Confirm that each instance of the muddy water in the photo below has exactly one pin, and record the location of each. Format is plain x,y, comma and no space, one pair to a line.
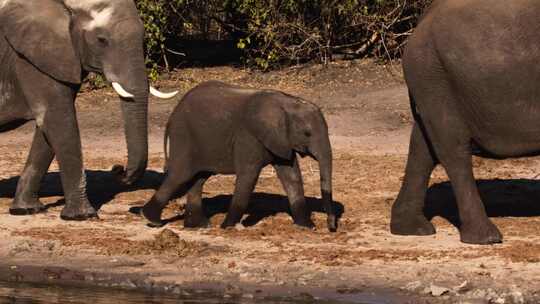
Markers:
18,293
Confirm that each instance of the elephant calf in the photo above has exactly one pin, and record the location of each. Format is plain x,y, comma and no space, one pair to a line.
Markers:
222,129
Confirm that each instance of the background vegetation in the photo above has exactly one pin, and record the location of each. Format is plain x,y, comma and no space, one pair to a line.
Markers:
271,33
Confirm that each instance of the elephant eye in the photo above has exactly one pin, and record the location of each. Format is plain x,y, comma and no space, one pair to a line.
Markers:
103,41
307,133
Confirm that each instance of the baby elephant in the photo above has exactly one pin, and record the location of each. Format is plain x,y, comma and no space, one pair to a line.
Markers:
222,129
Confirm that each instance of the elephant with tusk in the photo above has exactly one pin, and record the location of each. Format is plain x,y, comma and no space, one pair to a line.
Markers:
47,47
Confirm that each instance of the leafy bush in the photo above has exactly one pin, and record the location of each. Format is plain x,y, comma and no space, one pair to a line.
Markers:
276,32
295,30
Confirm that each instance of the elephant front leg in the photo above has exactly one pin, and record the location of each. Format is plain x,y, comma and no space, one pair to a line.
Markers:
38,162
291,179
62,132
245,183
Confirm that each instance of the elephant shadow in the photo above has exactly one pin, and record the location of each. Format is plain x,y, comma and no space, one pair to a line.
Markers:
501,198
102,186
263,205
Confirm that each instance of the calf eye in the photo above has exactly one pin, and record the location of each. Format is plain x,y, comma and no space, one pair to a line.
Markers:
103,41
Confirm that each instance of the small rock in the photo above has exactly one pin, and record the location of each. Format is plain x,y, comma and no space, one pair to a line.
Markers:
438,291
167,238
463,287
129,284
517,297
50,246
478,294
413,286
499,300
491,295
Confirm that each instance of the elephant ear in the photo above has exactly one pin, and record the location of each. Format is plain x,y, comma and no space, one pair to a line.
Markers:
268,122
39,30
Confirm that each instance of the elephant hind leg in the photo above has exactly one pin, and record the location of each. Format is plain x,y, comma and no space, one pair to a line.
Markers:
195,216
476,227
408,210
450,138
39,159
175,183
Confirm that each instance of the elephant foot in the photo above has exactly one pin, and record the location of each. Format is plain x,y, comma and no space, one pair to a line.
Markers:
332,223
228,223
305,223
196,222
411,225
480,234
27,208
78,212
152,214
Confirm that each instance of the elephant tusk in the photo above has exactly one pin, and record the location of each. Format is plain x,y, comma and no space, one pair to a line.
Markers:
159,94
120,90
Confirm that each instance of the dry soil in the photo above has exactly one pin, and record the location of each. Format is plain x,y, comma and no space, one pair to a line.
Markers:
367,108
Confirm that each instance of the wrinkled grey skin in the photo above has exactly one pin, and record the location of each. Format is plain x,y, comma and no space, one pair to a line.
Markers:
46,48
474,83
223,129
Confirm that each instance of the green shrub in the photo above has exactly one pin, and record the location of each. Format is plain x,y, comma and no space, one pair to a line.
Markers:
294,30
276,32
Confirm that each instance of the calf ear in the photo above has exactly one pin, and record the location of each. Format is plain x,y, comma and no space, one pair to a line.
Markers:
39,31
268,122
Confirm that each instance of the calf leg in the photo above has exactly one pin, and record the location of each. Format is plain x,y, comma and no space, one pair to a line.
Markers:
194,215
172,184
245,183
291,178
39,159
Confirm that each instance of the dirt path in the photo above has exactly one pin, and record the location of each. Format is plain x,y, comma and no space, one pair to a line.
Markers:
368,113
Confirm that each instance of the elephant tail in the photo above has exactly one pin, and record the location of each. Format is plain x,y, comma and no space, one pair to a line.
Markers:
166,147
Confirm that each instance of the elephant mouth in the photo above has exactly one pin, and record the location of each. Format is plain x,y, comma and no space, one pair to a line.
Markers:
303,152
92,68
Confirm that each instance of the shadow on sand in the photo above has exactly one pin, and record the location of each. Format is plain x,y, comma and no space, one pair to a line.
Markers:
263,205
502,198
102,188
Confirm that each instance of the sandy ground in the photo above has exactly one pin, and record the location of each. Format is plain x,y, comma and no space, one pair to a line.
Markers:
367,108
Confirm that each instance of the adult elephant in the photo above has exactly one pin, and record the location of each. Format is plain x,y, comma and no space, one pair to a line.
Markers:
473,76
46,48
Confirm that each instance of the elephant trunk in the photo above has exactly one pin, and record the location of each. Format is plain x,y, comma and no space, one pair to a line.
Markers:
323,154
134,80
135,115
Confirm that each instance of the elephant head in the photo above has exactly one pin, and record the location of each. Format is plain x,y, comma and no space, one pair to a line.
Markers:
66,39
286,128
